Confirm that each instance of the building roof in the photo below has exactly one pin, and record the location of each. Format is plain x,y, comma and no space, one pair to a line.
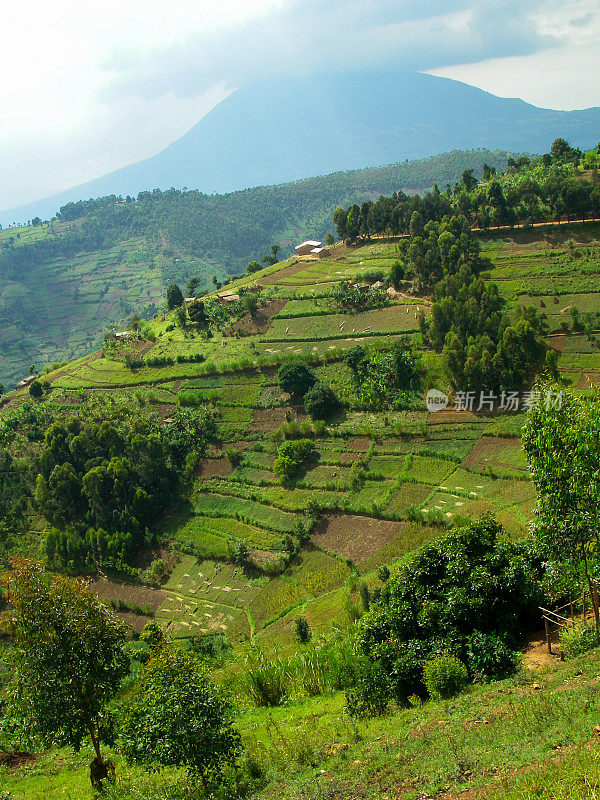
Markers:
226,293
229,298
317,250
307,243
378,285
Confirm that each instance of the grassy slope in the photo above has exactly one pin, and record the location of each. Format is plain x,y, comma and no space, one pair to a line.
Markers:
503,741
456,463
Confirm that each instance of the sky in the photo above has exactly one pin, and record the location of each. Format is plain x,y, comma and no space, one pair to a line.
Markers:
90,87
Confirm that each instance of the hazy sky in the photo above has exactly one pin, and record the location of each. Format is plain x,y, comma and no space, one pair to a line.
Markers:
87,88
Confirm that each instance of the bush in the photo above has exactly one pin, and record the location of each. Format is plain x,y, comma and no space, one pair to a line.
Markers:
445,676
291,456
36,390
266,679
370,696
488,655
296,379
303,631
321,401
575,641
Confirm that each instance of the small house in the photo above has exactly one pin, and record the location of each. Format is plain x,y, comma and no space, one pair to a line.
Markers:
378,285
123,335
308,247
25,382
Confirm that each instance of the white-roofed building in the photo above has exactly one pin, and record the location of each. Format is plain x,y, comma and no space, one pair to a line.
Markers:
306,248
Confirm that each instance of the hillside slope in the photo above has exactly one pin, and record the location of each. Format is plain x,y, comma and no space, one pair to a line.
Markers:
286,129
63,284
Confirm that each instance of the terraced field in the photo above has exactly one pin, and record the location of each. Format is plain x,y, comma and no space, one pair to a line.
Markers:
419,469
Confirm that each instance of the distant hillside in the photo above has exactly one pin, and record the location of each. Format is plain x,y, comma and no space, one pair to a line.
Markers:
63,284
283,130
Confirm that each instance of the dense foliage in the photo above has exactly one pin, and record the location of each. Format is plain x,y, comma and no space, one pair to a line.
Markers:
102,485
385,379
296,378
291,456
469,594
547,188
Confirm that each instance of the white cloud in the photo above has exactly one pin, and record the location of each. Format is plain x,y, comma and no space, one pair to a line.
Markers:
90,87
559,77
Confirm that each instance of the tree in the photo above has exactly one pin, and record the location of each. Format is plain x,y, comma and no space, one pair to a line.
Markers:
416,227
254,266
552,362
2,389
177,718
32,369
340,219
192,285
397,274
68,656
197,313
329,239
562,443
321,401
174,297
296,378
250,303
36,390
468,180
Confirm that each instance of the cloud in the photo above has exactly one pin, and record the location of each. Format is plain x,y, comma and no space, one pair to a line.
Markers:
90,87
307,37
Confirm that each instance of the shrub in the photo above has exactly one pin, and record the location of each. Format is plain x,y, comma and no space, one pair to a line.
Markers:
266,679
302,629
370,695
291,455
488,655
175,717
36,390
383,574
234,456
575,641
321,401
445,676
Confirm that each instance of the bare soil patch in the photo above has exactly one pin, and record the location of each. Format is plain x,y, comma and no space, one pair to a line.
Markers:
589,379
452,416
241,444
349,458
354,537
140,595
266,420
535,650
558,341
16,759
214,467
359,444
486,452
262,319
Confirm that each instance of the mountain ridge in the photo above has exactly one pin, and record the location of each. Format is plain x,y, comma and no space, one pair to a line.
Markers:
292,129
